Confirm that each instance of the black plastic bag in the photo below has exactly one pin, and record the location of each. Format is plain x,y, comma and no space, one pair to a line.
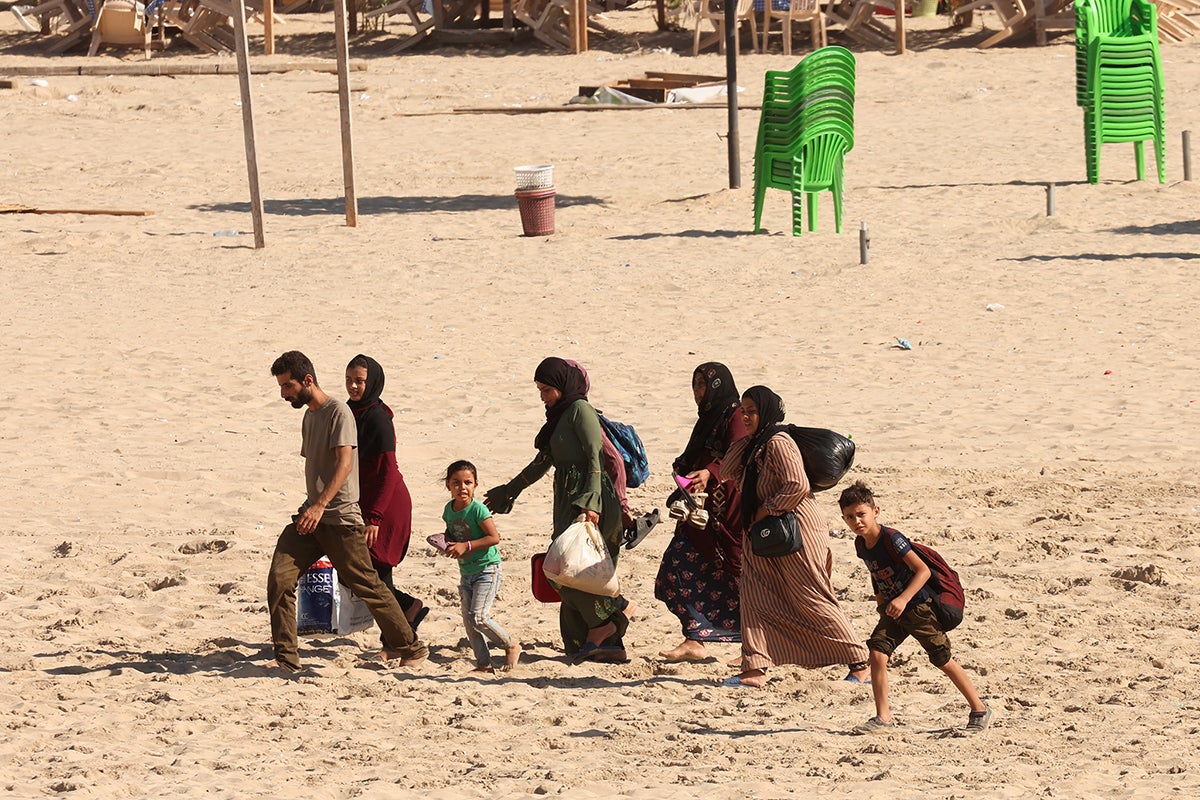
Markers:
827,455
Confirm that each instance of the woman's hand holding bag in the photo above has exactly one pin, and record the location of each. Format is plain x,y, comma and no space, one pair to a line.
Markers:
579,559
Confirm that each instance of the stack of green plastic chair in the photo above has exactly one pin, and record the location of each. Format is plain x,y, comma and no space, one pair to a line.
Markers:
1119,80
806,129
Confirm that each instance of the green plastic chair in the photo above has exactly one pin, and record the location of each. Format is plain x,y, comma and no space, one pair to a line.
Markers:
804,133
1119,81
1124,101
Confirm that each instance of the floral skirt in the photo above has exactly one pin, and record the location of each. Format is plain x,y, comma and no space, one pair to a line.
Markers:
703,596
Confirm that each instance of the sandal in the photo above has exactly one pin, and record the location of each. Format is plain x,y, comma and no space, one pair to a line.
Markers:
641,529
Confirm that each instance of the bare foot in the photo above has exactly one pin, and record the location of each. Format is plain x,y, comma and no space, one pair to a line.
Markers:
610,655
735,662
482,671
414,611
631,612
512,655
597,636
753,677
687,651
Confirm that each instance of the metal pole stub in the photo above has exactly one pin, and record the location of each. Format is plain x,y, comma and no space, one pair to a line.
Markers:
1187,155
864,244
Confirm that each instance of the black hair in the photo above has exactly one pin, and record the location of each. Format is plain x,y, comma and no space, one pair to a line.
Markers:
459,466
296,364
856,493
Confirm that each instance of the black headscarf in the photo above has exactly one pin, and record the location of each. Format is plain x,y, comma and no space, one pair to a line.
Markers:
708,434
770,419
376,434
570,381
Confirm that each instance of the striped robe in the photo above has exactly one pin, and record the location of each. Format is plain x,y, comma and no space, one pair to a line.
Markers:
790,614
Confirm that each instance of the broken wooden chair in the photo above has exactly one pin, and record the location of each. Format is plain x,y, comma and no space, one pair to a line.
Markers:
411,9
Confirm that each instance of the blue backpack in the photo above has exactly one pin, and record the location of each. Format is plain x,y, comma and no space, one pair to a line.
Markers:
633,452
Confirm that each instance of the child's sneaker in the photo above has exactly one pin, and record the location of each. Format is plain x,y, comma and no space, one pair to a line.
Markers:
874,725
978,720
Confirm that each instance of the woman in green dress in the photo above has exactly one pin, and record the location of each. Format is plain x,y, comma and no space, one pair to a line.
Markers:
571,441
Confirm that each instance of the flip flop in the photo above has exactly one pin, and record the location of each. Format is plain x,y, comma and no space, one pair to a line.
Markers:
419,618
852,679
585,653
736,682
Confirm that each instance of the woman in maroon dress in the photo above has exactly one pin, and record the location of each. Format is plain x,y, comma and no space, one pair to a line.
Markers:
383,496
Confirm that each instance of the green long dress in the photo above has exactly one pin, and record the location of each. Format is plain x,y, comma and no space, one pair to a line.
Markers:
580,484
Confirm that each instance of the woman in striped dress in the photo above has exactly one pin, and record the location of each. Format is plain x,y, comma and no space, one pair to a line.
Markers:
789,612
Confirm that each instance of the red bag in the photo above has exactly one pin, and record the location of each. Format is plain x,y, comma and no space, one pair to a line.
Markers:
542,589
947,590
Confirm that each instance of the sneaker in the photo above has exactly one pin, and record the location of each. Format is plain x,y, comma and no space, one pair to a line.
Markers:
978,720
874,725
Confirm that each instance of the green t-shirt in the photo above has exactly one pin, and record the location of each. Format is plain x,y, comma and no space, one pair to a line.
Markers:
463,526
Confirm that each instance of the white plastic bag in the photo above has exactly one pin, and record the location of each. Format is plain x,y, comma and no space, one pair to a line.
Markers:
578,559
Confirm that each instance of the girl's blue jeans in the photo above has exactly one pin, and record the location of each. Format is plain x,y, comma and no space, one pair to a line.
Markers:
478,593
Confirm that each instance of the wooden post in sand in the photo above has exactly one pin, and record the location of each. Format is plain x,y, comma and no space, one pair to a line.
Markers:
1187,155
269,27
343,64
243,58
901,41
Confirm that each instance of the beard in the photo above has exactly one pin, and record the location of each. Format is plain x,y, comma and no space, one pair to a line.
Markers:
303,398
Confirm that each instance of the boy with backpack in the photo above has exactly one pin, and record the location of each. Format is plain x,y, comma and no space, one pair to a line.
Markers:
908,604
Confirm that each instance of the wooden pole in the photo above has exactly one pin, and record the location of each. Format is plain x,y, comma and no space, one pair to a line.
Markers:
901,41
343,61
243,58
269,27
578,26
1187,155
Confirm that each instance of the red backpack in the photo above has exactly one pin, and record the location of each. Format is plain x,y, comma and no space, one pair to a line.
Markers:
944,586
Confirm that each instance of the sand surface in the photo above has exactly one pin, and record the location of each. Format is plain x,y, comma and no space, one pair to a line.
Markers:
1042,431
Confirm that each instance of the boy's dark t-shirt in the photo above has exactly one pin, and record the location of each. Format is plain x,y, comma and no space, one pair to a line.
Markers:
889,576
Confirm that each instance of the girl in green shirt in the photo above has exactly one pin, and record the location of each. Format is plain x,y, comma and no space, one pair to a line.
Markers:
471,539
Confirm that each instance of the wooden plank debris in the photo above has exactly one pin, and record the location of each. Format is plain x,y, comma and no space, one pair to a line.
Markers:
1175,20
655,85
161,68
10,209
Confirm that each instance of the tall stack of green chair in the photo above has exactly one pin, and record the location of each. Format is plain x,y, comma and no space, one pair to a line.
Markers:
806,129
1118,80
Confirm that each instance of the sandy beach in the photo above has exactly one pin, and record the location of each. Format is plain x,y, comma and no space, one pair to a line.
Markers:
1041,432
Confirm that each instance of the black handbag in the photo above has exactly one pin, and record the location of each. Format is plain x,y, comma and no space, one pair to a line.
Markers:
772,537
